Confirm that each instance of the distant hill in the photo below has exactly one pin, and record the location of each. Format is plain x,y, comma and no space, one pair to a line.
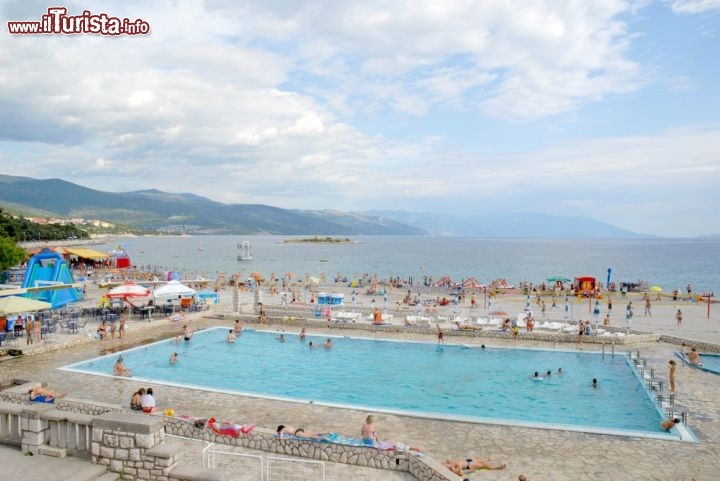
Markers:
157,210
508,224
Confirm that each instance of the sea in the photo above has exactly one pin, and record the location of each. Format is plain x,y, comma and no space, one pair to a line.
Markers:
666,263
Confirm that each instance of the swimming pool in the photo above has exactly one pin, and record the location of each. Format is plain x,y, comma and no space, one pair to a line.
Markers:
709,362
412,378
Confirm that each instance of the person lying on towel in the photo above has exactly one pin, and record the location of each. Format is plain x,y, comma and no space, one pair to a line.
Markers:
41,394
286,431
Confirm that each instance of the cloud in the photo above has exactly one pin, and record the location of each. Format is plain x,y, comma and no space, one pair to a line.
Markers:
515,59
340,104
695,6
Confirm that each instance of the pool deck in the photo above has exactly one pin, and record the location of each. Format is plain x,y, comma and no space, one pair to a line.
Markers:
538,453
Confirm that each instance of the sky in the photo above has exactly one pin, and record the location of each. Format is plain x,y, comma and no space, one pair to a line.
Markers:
606,109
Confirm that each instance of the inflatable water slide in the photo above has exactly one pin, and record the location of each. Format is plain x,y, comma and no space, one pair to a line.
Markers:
48,268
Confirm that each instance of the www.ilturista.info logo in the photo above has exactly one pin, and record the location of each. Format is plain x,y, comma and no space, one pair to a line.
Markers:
57,21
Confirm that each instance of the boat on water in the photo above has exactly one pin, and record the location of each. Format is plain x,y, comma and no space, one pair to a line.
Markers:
245,252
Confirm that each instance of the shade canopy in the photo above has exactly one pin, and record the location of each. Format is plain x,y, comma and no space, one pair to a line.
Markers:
85,253
128,289
558,279
174,289
656,288
16,305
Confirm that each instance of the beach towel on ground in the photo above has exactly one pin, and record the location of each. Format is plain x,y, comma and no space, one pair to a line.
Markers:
350,441
43,399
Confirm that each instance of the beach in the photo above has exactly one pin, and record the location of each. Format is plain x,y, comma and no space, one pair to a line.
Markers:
537,453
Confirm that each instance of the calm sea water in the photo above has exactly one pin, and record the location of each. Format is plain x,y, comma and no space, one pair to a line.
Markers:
669,263
448,381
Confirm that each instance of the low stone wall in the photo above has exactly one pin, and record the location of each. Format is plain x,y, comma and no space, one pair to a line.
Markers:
134,445
262,439
700,346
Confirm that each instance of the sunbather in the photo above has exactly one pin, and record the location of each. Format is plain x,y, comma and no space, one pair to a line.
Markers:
467,327
459,466
46,393
285,431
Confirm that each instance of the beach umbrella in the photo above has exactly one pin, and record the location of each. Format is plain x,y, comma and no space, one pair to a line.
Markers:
127,290
16,305
656,289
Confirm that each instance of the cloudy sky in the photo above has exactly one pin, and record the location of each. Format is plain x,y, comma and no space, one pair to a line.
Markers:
607,108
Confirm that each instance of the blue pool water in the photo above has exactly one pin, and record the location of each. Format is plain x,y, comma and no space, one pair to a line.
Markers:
710,362
417,378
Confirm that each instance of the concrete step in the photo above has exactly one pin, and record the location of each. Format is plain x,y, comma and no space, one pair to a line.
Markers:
49,451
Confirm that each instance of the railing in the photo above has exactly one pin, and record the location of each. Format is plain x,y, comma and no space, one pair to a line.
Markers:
10,426
70,431
287,469
246,466
191,446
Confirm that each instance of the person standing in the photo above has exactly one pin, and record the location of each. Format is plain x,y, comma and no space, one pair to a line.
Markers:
187,333
29,330
377,316
121,330
647,306
440,335
678,317
671,375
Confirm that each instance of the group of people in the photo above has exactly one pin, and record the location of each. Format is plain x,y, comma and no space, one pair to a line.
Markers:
367,431
103,332
143,400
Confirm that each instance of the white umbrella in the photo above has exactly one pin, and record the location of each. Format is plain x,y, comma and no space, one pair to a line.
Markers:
15,305
128,289
174,289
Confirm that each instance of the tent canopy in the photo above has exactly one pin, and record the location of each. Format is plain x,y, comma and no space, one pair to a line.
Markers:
174,289
85,253
128,289
558,279
16,305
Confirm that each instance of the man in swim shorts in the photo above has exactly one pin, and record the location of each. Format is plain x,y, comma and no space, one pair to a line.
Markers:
459,466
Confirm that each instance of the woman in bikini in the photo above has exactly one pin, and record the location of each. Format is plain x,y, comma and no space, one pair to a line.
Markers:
367,431
286,431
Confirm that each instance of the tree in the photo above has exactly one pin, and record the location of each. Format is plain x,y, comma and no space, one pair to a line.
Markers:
10,254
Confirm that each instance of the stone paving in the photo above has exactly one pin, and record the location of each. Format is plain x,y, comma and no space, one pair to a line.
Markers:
538,453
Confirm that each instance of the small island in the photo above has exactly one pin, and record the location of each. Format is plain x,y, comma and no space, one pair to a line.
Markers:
319,240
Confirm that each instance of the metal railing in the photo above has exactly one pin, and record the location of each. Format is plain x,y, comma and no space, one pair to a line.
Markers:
288,469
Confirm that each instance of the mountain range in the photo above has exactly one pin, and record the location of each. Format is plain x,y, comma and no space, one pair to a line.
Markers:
157,210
